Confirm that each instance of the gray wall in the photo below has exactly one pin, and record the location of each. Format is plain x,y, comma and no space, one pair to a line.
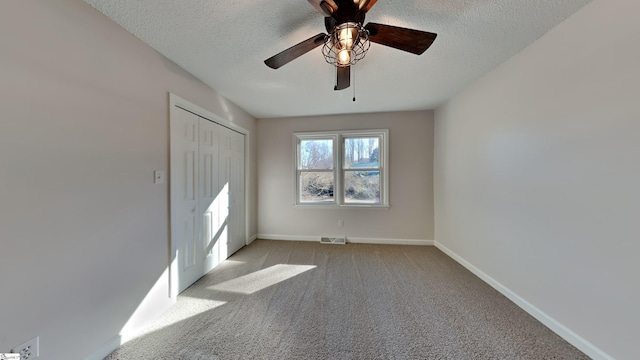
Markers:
410,216
84,123
537,167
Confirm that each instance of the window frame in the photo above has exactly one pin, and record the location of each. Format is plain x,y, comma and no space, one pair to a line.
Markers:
339,169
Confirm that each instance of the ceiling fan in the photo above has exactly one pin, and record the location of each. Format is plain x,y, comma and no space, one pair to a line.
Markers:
348,40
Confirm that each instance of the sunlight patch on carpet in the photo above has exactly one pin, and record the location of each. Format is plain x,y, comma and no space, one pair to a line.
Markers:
262,279
188,307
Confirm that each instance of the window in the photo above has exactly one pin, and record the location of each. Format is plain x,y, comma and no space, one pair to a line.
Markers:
342,168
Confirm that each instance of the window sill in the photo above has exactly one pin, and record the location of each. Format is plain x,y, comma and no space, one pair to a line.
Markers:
327,207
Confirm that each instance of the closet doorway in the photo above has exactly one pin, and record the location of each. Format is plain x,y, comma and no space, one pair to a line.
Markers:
207,174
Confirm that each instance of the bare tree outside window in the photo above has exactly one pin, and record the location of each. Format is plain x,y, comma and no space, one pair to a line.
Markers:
317,178
362,173
342,168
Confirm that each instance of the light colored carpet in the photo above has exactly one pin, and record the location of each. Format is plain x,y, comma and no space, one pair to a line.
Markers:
300,300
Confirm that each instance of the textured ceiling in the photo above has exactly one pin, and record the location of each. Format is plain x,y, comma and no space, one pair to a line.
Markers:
224,43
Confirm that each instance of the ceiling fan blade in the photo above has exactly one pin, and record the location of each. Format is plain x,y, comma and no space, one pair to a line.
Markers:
295,51
324,7
344,77
413,41
366,5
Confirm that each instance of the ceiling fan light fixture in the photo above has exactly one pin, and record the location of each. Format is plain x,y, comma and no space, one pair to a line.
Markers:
347,44
347,40
344,57
346,37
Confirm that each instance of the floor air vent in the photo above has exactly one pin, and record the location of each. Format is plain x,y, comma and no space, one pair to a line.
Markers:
333,240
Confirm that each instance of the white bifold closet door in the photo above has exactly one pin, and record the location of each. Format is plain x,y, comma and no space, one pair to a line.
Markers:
207,194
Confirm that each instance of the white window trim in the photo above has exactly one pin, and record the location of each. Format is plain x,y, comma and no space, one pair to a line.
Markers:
338,151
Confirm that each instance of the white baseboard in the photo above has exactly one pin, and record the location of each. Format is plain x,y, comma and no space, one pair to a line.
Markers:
106,349
353,240
564,332
357,240
251,239
288,237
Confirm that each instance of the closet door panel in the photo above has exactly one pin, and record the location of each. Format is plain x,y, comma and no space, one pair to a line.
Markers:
209,194
224,178
184,197
237,193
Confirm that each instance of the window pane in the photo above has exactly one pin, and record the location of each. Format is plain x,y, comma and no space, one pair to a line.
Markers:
316,154
361,152
362,187
316,186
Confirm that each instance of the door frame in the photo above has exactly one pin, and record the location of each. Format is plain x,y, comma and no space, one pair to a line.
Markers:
176,102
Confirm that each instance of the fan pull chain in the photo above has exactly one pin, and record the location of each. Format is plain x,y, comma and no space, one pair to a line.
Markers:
354,83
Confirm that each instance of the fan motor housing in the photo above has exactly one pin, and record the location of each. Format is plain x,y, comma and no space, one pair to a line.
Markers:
330,23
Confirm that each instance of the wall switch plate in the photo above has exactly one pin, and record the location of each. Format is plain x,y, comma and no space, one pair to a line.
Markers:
29,350
158,177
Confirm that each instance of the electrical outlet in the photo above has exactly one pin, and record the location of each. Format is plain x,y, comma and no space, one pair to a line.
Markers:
340,222
29,350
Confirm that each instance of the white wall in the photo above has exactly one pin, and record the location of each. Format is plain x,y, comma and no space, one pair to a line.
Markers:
83,124
411,173
537,173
